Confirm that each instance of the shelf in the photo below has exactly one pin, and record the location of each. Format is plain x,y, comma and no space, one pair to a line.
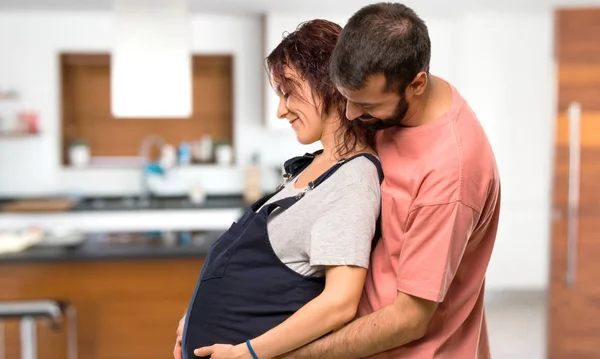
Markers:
16,134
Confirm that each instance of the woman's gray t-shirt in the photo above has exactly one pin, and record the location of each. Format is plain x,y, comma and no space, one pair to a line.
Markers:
333,224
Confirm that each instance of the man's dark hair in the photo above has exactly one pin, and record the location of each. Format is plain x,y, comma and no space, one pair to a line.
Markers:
383,38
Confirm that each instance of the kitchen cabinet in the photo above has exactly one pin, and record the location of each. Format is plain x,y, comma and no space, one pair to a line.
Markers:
126,308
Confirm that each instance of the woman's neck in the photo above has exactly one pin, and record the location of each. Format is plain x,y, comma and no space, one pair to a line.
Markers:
331,138
329,142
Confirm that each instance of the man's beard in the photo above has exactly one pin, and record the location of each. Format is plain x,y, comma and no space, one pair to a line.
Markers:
376,124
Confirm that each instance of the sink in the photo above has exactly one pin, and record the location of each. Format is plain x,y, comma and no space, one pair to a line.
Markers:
137,203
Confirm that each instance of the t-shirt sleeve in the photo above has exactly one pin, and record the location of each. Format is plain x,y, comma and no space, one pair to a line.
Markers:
433,246
343,232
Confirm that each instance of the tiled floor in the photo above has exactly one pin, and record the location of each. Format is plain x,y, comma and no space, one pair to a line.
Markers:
517,325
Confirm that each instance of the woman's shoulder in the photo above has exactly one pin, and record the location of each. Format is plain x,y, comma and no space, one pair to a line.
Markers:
360,172
362,167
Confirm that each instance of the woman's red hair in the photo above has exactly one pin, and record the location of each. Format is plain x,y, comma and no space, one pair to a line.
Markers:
308,50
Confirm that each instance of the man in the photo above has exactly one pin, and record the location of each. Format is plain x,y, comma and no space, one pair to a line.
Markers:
424,295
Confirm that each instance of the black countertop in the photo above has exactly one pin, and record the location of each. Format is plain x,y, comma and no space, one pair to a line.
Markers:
120,246
157,203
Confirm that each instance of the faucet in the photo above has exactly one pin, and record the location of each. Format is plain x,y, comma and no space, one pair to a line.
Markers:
147,143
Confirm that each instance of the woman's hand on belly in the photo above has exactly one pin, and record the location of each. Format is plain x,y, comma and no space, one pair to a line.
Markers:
224,351
331,310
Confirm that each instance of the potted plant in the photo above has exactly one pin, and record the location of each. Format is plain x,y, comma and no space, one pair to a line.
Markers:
79,152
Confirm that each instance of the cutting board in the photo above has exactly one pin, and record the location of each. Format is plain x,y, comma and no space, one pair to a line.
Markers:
39,205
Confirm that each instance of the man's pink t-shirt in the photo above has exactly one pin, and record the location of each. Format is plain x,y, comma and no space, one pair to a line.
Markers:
440,210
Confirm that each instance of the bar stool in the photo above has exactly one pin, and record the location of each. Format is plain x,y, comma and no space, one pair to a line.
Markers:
28,312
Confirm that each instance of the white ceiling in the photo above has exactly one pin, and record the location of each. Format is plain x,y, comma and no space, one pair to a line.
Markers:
310,6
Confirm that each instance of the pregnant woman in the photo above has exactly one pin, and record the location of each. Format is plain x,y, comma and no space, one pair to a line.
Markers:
292,268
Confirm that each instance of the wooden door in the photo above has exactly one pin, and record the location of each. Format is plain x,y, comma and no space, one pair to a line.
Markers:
574,296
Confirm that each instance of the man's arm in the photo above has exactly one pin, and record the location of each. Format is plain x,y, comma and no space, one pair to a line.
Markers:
438,236
398,324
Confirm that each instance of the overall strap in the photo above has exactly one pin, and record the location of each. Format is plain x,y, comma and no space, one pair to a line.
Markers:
378,232
377,165
292,167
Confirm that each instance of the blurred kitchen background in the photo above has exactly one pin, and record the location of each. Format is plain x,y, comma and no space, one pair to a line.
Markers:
113,184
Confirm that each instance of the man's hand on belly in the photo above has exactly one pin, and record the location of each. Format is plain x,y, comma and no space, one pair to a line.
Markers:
179,332
400,323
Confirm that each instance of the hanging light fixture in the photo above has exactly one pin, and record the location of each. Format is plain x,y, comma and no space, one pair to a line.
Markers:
151,70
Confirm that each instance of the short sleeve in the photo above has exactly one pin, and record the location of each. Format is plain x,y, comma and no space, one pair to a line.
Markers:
433,246
345,227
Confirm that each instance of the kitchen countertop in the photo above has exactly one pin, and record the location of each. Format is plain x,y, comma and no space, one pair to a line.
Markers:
121,246
157,203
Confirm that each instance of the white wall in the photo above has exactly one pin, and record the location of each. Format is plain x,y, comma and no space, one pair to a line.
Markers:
30,44
501,62
504,66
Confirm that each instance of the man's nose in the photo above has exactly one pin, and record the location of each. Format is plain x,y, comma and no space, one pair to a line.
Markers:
353,111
